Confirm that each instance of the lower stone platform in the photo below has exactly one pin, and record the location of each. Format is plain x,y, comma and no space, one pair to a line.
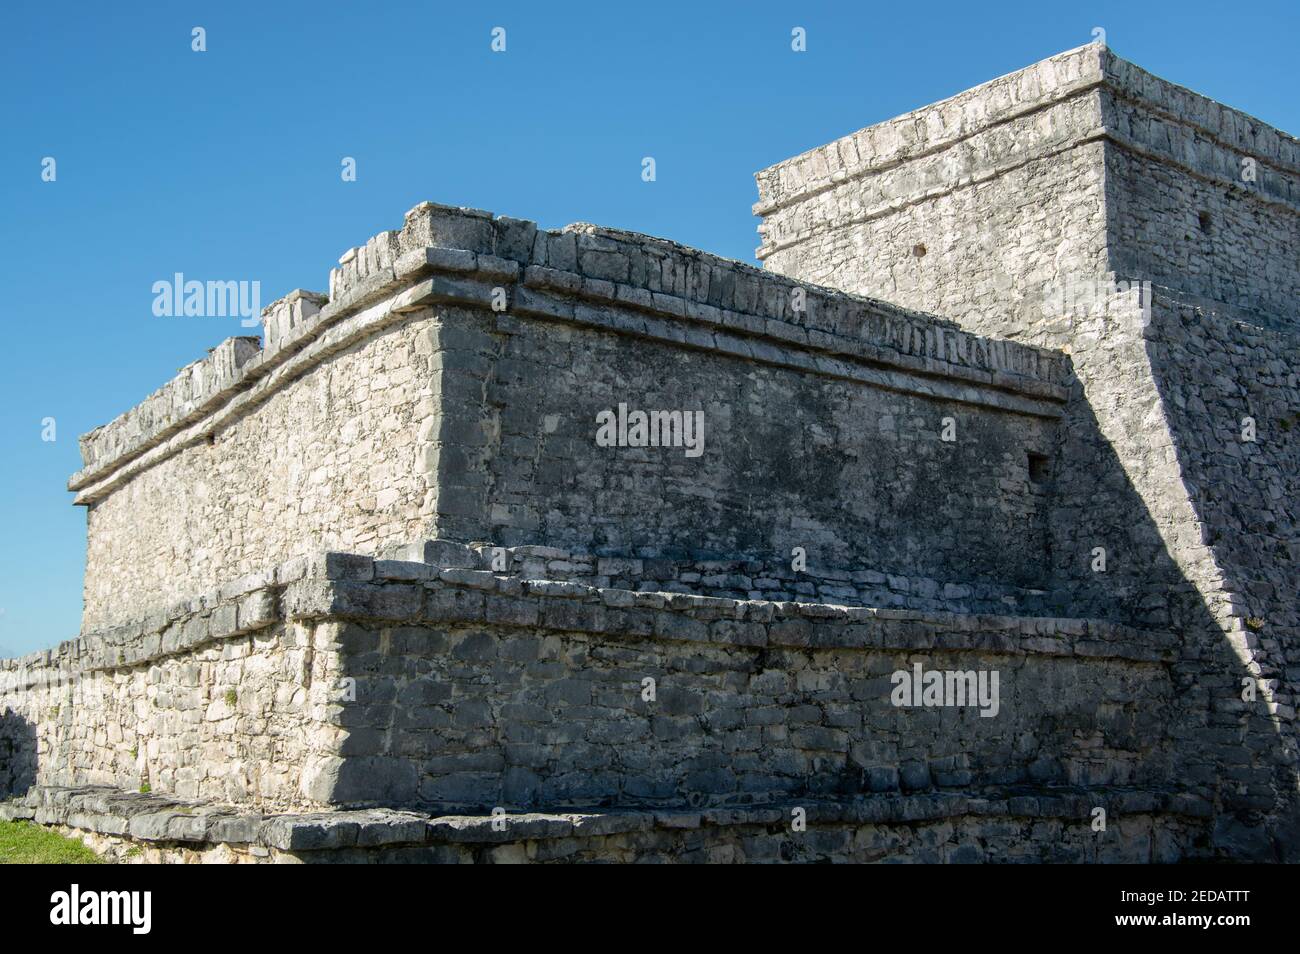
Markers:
346,707
1046,825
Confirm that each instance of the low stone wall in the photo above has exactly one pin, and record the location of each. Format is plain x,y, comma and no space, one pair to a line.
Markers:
1142,828
231,719
345,680
463,704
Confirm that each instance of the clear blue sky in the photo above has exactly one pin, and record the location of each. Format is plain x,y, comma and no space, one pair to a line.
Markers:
225,164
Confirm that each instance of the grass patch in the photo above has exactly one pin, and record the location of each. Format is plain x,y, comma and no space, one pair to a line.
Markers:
22,843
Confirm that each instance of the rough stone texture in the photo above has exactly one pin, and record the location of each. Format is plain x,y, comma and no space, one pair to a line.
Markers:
421,585
1080,165
326,464
419,416
1115,176
145,829
467,689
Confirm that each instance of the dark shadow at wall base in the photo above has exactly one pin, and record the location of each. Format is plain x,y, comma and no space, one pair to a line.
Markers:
18,755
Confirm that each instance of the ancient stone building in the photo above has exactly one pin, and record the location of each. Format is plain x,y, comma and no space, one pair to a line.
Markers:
580,544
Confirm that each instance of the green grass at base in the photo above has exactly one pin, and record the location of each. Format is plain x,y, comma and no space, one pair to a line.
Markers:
22,843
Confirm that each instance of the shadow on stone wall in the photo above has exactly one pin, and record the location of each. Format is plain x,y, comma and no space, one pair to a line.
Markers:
1213,375
1146,510
1113,488
17,755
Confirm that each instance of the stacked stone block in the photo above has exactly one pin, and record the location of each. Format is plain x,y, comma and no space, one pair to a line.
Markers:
378,569
1185,212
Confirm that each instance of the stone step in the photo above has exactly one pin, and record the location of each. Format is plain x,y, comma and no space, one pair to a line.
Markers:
749,576
1026,824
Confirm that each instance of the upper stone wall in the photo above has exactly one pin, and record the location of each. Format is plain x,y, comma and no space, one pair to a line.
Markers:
967,208
1077,167
1201,198
914,135
1032,90
851,468
655,277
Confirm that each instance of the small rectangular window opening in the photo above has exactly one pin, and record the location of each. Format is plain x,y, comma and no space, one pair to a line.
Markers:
1039,468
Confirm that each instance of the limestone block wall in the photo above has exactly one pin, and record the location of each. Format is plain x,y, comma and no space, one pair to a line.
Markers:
327,462
454,392
218,699
481,714
344,680
968,208
1202,198
859,477
1231,393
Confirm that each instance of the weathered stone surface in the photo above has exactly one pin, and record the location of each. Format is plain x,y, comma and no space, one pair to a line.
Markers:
382,562
909,828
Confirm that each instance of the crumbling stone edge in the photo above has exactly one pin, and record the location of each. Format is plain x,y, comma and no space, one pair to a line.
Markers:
447,587
159,819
